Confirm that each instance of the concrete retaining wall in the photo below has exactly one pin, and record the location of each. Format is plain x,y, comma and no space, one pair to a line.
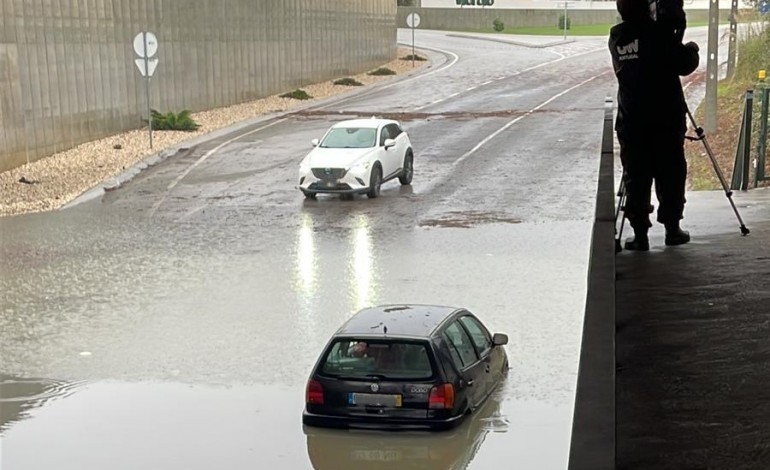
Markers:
67,72
467,19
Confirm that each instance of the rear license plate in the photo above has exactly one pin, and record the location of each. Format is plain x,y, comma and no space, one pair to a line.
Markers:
375,399
376,455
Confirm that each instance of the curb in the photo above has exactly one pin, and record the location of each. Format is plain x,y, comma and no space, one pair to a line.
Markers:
124,177
513,42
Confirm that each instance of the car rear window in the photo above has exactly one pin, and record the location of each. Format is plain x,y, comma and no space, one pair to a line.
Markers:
364,359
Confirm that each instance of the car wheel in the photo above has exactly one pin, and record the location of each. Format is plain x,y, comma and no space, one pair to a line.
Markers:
406,174
375,182
309,195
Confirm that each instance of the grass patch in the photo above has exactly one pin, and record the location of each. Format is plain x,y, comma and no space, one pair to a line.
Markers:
415,57
754,43
381,71
573,30
297,95
348,82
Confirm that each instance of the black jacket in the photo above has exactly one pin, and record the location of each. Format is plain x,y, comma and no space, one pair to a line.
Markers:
648,60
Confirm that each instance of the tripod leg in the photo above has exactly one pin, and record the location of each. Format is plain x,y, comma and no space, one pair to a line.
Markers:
718,171
621,199
621,206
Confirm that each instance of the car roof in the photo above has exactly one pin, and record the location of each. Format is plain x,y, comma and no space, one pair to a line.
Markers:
365,123
402,320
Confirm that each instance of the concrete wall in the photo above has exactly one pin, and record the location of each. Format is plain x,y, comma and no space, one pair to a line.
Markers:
466,19
67,72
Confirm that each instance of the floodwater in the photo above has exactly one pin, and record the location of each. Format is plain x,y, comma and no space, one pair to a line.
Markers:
173,322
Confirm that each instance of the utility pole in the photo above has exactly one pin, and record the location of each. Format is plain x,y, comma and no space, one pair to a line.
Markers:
712,68
733,39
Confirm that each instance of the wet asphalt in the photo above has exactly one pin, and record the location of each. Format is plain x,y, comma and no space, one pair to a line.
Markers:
172,323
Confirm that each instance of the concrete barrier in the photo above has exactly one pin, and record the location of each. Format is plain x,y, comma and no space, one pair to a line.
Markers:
593,426
67,72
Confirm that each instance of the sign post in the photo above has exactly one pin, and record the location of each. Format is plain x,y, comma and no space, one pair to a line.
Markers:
146,46
565,19
413,21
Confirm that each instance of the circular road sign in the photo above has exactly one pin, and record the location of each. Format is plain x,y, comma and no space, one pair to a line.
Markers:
152,45
413,20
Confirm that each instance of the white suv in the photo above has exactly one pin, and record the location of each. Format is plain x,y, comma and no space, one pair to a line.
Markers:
356,157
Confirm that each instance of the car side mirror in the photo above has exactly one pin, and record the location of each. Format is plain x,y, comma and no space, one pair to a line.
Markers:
389,143
315,142
500,339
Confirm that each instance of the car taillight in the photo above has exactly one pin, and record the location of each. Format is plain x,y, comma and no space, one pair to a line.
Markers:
442,397
315,393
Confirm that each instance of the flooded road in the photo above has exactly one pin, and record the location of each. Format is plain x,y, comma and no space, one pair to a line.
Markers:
173,322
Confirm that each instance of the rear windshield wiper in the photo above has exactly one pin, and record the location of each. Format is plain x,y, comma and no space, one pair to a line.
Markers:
358,377
376,376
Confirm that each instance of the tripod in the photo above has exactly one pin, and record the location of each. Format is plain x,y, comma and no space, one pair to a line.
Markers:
622,196
700,136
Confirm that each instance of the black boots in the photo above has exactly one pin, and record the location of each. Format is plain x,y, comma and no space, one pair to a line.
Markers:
675,235
639,242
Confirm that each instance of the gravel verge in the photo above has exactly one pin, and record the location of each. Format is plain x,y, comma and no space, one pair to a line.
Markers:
51,182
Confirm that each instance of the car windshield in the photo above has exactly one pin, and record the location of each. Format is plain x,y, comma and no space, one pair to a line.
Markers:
364,359
350,138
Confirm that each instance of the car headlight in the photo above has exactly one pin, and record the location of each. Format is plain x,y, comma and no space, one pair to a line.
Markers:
361,167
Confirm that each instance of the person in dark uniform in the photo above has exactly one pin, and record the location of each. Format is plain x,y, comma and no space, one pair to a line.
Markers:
648,58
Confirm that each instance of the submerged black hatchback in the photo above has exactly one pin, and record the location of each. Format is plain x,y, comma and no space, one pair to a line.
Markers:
404,367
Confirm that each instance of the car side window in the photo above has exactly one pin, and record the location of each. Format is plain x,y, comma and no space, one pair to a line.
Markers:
460,345
385,134
479,335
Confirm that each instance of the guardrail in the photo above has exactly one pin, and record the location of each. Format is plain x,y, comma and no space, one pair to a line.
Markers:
593,426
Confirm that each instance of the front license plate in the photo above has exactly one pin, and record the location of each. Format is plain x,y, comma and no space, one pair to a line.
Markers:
330,184
375,399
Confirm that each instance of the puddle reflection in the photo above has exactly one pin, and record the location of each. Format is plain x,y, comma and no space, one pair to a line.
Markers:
362,265
453,449
306,258
20,396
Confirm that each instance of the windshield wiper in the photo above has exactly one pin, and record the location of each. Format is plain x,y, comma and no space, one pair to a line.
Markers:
377,376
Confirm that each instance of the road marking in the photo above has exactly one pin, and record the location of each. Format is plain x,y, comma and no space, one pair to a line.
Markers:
454,61
211,152
528,113
385,87
534,67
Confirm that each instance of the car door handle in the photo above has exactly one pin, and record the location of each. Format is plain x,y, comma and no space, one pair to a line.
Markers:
469,382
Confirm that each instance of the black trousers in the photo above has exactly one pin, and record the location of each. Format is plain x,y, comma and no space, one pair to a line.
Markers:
658,158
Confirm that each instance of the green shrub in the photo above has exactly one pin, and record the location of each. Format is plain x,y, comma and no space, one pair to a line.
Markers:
382,71
173,122
498,25
414,57
561,21
754,47
297,95
348,82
